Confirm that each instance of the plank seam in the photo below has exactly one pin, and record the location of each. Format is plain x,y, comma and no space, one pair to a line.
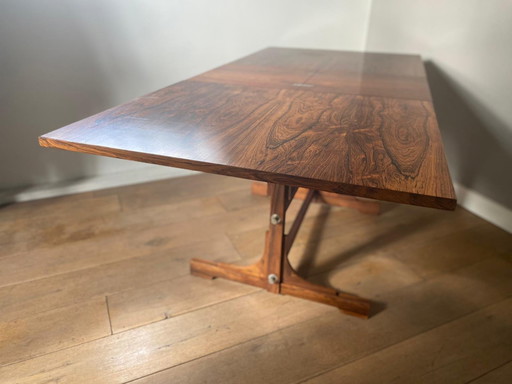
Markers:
108,314
486,373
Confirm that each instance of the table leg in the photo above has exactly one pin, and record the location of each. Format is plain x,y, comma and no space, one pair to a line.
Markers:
273,271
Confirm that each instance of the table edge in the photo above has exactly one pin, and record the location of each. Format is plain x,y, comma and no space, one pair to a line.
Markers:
438,202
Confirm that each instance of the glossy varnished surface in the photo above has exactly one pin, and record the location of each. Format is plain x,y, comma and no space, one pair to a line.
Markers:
353,123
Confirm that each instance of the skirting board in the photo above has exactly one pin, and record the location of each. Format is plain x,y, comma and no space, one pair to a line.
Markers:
467,198
484,207
137,176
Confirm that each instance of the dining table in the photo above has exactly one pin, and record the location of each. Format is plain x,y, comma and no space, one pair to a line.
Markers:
335,126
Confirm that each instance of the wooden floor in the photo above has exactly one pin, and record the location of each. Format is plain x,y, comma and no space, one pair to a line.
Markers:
94,288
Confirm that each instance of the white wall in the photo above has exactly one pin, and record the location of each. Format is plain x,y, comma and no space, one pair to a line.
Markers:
62,60
467,46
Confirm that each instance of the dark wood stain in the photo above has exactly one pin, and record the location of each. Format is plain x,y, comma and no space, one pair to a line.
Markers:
360,124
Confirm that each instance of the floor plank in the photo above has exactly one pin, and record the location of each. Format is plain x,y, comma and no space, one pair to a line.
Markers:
82,204
453,353
312,347
50,331
111,240
499,375
371,277
40,233
74,287
177,190
452,251
170,298
99,240
141,351
96,288
16,219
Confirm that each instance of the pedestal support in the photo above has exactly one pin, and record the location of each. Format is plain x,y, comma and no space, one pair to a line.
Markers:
273,271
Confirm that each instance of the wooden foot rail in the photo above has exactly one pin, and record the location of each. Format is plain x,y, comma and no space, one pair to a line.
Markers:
273,271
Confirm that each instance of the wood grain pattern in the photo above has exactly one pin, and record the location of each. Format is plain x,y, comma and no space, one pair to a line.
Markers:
360,124
166,343
169,298
499,375
440,357
44,294
49,331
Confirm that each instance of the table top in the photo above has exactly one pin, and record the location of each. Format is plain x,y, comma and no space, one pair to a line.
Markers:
355,123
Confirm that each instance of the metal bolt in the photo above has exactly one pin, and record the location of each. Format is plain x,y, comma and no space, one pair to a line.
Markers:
272,279
275,219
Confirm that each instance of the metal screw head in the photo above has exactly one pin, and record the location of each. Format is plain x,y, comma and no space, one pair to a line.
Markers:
275,219
272,278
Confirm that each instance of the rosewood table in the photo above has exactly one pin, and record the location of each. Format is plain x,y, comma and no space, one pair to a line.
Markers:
358,124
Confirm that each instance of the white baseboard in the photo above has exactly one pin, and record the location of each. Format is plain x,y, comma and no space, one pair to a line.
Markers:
467,198
484,207
141,175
